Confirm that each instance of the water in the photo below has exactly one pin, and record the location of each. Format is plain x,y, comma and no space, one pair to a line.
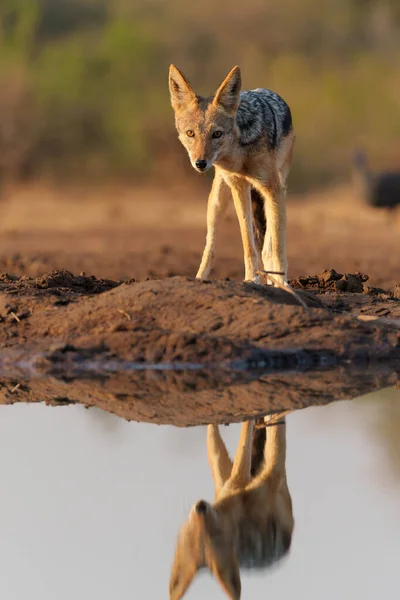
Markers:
189,395
91,504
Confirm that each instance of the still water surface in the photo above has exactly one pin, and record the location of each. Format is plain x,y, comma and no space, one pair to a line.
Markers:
91,505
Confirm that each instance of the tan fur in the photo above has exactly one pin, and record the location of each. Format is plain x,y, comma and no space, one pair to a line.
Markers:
238,167
247,514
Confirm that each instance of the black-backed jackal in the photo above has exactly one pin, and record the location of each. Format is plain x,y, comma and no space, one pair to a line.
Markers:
248,137
250,523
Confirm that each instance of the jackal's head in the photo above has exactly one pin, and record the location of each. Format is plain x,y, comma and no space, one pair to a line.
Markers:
206,540
206,126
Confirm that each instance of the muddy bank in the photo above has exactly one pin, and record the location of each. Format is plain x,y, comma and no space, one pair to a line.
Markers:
77,339
178,320
188,398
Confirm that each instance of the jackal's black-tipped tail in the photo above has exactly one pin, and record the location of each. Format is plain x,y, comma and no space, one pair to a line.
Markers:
259,220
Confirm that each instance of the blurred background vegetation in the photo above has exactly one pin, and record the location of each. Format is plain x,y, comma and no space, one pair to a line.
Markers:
84,95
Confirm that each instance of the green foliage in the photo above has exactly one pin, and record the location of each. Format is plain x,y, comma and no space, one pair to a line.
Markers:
83,83
18,22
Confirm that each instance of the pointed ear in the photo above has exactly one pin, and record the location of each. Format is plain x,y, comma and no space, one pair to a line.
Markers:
182,574
228,94
180,89
226,571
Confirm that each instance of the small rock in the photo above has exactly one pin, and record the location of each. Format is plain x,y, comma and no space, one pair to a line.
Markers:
372,291
350,283
396,291
330,275
363,276
303,281
119,327
62,302
7,278
63,400
354,284
341,285
24,315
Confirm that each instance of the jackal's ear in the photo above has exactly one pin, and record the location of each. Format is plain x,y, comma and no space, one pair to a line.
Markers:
228,94
180,89
226,571
183,571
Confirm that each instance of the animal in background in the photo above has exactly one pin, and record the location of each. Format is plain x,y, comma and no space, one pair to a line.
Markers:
250,523
248,137
380,190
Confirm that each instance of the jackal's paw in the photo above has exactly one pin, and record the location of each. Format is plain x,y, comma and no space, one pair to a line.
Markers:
254,279
280,281
202,276
276,418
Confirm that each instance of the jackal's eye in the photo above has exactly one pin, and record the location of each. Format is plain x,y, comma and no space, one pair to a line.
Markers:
217,134
190,133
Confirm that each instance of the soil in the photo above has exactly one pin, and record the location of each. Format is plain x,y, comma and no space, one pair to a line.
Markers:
120,233
129,305
67,339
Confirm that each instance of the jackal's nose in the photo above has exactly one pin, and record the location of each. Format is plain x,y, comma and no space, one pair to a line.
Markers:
201,507
201,165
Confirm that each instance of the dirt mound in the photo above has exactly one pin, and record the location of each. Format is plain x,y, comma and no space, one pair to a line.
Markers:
59,282
350,293
178,320
331,281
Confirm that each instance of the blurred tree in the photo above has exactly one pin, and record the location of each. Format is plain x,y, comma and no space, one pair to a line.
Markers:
61,17
84,82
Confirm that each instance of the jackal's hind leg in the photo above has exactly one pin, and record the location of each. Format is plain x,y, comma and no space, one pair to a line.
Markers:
284,158
274,193
266,255
274,249
275,464
275,447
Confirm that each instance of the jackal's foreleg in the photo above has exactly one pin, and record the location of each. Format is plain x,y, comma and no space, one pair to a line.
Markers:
242,200
242,464
218,457
274,250
216,207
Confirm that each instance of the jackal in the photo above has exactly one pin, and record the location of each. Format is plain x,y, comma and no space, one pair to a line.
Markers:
248,137
250,523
